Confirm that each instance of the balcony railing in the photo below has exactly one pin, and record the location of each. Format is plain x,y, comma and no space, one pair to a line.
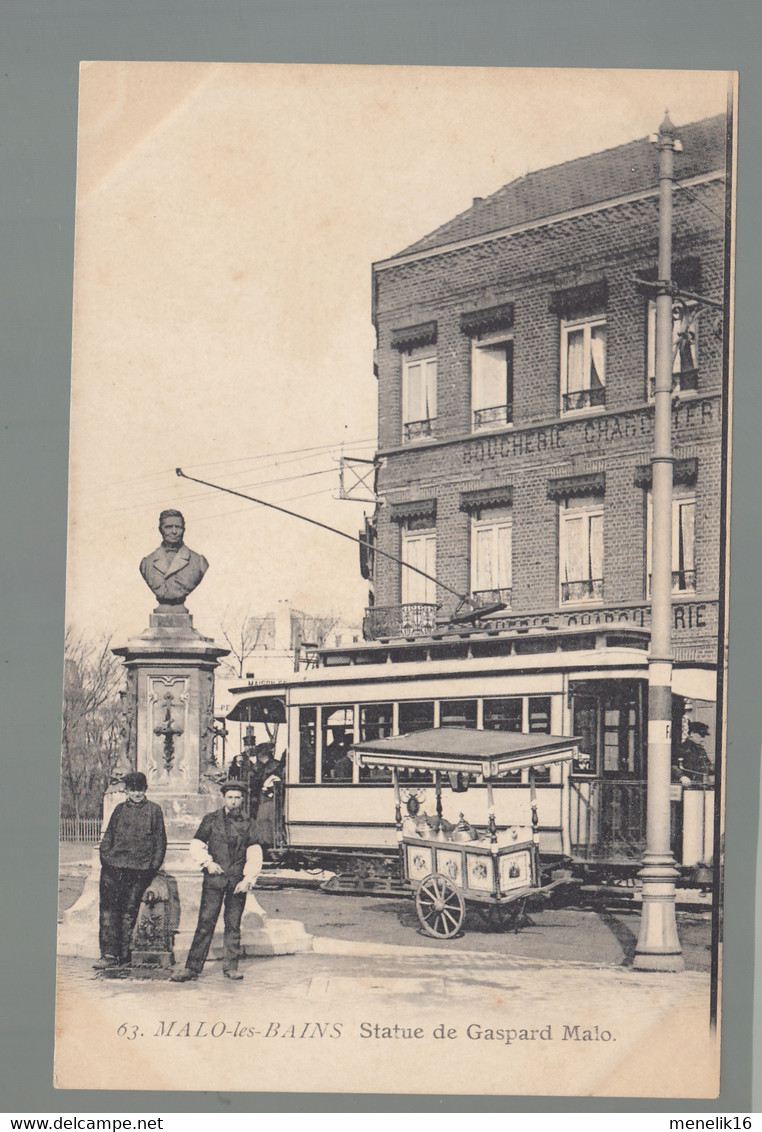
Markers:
414,430
584,399
587,589
498,414
413,619
685,382
489,597
681,580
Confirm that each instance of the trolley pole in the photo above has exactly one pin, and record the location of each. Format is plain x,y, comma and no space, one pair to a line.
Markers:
658,947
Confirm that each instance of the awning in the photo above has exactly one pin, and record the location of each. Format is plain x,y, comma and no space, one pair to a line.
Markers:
489,320
501,495
684,472
695,683
407,338
569,487
413,509
488,753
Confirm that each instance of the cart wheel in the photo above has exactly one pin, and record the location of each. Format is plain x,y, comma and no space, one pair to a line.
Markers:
441,909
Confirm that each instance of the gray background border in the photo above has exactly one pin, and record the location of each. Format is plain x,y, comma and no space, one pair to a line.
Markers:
41,44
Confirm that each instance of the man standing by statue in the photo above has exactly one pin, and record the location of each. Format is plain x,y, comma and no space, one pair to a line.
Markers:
132,851
172,571
227,849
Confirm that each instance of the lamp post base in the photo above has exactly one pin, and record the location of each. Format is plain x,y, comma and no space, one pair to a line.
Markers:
658,947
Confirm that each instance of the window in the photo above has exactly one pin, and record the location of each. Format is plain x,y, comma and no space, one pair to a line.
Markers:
419,396
375,723
683,540
609,719
419,549
492,383
583,365
457,713
337,735
580,549
307,733
491,551
684,347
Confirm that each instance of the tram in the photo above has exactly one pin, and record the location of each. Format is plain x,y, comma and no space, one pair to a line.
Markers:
588,682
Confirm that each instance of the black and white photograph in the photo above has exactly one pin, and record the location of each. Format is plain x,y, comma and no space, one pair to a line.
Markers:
393,728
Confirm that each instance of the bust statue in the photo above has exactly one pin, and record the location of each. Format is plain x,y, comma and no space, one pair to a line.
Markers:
172,571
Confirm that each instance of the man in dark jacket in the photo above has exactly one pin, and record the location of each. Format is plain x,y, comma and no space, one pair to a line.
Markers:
132,850
226,848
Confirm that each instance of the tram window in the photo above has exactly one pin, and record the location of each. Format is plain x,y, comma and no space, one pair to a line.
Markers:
539,724
503,715
375,723
608,717
585,725
416,716
307,723
457,713
337,729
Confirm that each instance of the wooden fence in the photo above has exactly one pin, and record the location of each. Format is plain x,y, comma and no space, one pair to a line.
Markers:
80,829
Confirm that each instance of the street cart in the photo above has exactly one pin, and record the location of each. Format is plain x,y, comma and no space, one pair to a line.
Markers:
449,865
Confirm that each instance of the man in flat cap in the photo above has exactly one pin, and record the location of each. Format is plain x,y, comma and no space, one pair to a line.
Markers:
132,851
172,571
226,848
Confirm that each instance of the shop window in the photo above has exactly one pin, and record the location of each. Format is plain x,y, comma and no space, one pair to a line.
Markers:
419,396
580,549
583,365
491,382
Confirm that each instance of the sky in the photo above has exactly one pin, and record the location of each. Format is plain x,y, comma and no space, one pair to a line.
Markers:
227,220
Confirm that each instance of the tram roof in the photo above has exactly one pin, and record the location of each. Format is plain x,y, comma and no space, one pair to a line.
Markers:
490,753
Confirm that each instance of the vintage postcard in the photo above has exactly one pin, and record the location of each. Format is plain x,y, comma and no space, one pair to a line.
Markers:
399,489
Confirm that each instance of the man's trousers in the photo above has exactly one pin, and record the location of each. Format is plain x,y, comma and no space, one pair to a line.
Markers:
121,891
212,898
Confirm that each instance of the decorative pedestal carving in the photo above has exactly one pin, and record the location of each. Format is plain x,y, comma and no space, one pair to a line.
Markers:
170,698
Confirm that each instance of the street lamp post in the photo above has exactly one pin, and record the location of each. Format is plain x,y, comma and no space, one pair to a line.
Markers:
658,947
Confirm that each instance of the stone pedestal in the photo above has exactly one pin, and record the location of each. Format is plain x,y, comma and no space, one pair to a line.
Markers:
170,712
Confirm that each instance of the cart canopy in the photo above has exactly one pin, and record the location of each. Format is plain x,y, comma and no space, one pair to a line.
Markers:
488,753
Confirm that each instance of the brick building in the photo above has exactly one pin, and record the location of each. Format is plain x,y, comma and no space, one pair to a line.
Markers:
515,360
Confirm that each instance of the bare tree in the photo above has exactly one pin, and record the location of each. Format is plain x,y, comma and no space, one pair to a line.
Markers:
93,722
243,634
310,631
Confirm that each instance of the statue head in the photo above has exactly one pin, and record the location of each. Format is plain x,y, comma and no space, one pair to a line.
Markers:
172,528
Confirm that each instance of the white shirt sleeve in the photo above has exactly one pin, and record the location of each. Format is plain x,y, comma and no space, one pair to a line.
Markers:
253,865
200,854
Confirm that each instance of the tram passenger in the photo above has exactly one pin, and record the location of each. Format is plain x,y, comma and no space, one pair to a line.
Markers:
342,767
266,785
335,753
